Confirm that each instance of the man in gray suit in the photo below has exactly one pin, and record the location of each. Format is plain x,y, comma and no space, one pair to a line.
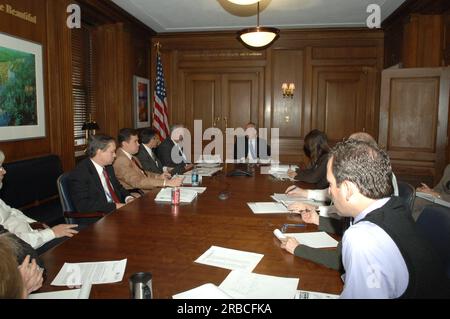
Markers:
149,141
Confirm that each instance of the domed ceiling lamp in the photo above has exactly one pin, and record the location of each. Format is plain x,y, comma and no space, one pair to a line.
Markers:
258,38
244,2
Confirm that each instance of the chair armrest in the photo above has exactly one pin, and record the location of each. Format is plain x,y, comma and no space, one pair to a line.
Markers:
84,215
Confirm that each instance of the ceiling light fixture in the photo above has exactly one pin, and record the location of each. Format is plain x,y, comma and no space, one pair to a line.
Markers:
244,2
258,38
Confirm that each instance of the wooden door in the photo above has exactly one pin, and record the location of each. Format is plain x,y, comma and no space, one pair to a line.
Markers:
343,100
203,99
413,121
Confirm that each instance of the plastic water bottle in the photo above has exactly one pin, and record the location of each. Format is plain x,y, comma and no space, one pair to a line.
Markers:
194,177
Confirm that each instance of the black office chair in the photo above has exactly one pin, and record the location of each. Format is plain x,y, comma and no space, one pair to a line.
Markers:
434,224
407,193
70,213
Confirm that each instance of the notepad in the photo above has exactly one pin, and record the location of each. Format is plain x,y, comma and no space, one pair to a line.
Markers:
186,195
311,239
284,198
268,208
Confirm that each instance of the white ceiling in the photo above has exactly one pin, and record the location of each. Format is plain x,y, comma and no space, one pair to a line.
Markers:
213,15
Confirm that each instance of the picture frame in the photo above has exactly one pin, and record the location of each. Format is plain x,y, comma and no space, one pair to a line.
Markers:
141,103
22,104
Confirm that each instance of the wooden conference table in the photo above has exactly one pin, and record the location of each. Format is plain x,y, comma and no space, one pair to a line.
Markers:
165,240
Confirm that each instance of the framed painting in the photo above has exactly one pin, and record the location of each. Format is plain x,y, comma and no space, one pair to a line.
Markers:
22,107
141,105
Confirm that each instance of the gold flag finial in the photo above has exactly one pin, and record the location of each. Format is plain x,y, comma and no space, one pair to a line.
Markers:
158,46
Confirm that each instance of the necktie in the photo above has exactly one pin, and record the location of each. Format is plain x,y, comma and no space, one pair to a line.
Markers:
138,165
110,188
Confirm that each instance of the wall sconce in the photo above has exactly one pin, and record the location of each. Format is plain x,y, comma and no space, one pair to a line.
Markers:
288,90
90,127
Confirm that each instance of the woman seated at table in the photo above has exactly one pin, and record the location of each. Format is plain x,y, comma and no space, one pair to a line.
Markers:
316,149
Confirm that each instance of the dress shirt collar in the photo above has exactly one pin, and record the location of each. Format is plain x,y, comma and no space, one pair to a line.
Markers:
148,149
127,154
375,205
98,167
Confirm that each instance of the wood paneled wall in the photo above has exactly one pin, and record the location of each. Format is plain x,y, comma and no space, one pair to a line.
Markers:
124,45
211,76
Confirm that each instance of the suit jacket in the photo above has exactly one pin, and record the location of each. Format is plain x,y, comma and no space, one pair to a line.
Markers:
261,145
164,152
316,174
132,176
147,162
86,189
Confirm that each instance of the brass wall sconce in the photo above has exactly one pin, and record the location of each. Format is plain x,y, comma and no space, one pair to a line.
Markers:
288,90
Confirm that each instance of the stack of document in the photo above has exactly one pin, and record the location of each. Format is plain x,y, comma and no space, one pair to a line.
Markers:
199,190
433,199
209,159
187,195
245,285
285,199
268,208
274,169
230,258
205,171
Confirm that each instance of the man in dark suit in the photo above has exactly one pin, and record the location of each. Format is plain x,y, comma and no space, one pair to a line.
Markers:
171,154
93,183
250,146
146,154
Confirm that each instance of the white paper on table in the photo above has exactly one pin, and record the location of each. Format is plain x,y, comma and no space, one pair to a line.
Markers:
282,176
282,168
199,190
187,195
230,258
314,239
268,208
206,291
75,274
305,294
82,293
246,285
205,171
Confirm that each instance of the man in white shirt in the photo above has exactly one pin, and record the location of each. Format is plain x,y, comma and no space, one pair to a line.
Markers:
384,256
253,147
171,153
149,140
18,223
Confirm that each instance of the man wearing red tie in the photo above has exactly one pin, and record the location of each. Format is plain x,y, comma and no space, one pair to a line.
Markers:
93,183
129,170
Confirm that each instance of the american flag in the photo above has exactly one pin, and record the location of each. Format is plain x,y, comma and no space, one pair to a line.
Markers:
160,115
